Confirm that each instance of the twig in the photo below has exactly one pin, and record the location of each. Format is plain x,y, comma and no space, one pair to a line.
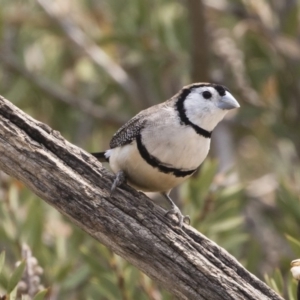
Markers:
288,47
225,47
151,292
83,104
94,52
199,40
120,278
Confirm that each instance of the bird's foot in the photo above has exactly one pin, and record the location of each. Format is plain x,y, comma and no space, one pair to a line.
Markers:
119,180
181,218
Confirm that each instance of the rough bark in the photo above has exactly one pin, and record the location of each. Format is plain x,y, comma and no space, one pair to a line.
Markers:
184,261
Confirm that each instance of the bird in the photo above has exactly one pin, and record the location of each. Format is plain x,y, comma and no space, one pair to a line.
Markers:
165,144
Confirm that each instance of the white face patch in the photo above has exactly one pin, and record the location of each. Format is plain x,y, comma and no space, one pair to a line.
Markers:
203,110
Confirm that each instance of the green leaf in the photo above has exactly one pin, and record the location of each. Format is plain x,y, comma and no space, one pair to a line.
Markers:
16,276
290,23
226,225
40,295
13,294
76,278
2,260
295,244
292,290
199,187
274,285
279,280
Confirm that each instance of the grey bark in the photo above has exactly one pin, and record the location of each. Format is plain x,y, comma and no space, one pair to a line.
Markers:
183,261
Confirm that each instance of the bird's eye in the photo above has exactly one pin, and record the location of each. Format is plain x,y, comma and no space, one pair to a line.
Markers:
206,94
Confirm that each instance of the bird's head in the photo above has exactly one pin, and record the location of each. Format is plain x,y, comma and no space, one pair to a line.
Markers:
205,104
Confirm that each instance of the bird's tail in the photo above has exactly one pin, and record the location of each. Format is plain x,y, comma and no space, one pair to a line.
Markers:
100,156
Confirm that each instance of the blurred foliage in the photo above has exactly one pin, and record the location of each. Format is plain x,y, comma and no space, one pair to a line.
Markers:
252,209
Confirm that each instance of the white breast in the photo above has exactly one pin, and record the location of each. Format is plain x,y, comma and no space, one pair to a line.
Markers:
139,173
176,146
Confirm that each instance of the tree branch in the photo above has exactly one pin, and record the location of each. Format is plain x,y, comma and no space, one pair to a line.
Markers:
184,261
199,40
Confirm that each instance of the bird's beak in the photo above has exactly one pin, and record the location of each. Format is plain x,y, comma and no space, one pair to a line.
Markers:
228,102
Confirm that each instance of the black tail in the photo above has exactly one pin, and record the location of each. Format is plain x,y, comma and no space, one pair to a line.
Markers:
100,156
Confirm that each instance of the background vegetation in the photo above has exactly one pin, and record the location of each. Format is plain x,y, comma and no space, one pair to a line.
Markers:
86,66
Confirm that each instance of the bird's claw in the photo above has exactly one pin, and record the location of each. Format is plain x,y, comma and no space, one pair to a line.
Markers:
181,218
120,179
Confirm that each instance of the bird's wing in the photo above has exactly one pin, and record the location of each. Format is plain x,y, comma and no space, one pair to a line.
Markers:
130,130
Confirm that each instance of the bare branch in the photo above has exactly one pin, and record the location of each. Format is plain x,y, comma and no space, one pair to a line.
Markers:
184,261
94,52
199,51
284,45
58,93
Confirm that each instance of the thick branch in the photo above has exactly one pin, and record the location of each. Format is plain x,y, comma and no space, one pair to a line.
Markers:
185,262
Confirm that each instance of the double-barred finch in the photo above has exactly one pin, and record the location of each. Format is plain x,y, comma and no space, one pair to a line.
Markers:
165,144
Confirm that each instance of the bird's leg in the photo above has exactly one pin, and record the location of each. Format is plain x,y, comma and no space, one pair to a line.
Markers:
176,211
120,179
